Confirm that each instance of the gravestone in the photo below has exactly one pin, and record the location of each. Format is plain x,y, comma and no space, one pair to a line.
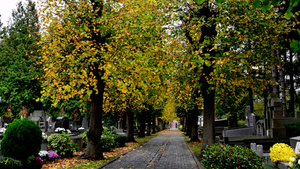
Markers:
260,128
62,122
73,125
247,115
85,123
260,150
39,117
253,146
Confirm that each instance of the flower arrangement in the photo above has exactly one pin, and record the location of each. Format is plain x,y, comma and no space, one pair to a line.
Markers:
81,129
44,136
44,155
281,152
38,163
59,130
52,155
2,131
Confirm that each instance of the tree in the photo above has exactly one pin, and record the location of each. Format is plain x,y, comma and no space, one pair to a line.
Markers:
81,47
18,69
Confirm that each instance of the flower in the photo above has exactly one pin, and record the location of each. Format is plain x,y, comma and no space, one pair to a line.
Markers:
81,128
291,164
38,163
69,131
281,152
299,162
58,129
292,159
2,130
44,136
52,155
43,154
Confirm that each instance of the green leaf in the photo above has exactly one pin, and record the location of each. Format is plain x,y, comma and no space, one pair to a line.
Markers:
295,45
220,1
256,3
266,5
199,2
288,14
275,2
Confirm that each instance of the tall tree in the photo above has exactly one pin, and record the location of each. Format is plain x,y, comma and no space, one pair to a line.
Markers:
18,53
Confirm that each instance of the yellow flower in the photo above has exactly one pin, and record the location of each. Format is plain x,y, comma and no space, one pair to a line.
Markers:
299,161
281,152
291,164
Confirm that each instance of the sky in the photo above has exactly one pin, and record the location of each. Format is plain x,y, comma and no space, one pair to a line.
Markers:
6,7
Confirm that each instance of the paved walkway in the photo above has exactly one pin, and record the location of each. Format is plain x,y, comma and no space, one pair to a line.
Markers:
166,151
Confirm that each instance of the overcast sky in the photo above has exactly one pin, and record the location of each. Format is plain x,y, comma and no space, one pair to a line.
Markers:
6,7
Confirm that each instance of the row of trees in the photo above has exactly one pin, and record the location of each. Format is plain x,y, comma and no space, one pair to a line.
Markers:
105,57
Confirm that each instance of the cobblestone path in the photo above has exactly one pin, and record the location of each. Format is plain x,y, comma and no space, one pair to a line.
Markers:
166,151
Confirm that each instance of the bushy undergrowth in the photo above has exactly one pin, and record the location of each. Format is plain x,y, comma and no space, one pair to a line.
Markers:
225,156
9,163
22,139
108,138
61,144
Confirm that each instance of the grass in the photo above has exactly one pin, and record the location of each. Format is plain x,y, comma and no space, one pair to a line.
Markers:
196,147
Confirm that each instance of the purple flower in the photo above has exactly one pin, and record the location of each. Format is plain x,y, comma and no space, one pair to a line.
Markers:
52,155
38,162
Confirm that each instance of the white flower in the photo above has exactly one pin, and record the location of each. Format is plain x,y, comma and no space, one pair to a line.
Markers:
81,128
2,130
44,135
69,131
292,159
43,153
58,129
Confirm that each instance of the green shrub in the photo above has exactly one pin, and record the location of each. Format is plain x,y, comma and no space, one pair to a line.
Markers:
61,144
121,140
22,139
180,127
9,163
225,156
84,138
107,138
241,123
292,130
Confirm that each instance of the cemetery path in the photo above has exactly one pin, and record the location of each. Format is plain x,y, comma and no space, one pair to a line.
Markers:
165,151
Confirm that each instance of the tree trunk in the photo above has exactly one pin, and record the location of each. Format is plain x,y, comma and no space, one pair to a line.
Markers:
251,100
292,89
188,123
282,81
129,123
94,149
209,119
194,121
275,77
149,123
153,123
142,126
183,125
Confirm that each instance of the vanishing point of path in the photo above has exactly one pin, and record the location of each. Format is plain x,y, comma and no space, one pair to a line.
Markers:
165,151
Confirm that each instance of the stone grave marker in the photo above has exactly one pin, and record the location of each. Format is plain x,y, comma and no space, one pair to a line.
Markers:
85,123
247,115
62,122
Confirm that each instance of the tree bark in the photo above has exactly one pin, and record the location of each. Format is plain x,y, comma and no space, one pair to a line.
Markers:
209,119
194,121
142,126
188,123
149,123
251,100
94,149
282,81
275,76
153,123
129,123
292,89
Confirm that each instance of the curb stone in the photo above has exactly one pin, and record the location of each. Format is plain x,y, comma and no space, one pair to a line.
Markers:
194,156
